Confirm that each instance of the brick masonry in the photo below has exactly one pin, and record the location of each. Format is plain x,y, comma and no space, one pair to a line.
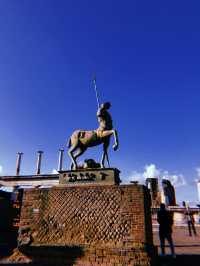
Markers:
87,225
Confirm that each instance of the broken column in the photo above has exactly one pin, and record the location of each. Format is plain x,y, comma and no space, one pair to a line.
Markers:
60,160
152,184
169,196
18,162
39,159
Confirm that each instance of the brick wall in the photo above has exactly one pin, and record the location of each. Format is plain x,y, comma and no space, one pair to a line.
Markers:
87,225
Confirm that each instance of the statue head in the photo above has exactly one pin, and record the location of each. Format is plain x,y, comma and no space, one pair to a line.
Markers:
106,105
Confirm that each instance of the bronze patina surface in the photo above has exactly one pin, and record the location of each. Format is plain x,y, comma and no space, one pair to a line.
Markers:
80,140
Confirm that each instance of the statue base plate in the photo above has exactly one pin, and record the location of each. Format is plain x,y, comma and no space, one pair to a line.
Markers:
100,176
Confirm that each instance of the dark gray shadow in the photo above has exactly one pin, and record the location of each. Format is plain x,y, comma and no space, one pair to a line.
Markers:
180,260
54,255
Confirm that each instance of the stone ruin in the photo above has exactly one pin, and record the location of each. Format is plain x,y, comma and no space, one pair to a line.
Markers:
87,221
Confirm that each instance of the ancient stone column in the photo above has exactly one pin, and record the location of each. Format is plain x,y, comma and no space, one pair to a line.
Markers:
39,159
60,160
18,162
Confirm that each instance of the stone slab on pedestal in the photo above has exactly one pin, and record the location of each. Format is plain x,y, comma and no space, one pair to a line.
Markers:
99,176
87,225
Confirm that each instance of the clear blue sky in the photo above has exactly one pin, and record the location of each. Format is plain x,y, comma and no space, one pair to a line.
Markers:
146,58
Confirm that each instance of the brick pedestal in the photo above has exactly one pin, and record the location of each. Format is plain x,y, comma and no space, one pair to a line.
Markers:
87,225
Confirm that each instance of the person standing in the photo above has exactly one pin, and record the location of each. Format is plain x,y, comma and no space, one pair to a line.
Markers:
189,219
165,221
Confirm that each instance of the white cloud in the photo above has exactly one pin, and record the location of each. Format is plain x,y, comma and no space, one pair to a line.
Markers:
176,180
136,176
198,171
151,171
54,171
198,174
1,169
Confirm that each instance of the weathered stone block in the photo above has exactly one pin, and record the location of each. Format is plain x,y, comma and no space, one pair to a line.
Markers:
88,225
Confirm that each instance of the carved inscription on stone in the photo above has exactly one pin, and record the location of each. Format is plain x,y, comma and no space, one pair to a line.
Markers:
105,176
80,177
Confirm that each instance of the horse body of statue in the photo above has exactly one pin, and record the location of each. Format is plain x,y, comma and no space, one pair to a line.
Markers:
80,140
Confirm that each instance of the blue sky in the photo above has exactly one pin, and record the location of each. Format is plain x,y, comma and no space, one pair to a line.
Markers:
146,57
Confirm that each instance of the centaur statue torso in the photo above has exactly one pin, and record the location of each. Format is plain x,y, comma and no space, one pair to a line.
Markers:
80,140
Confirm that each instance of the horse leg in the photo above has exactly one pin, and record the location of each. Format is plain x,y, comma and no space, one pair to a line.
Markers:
108,133
107,158
116,139
105,155
103,160
70,153
79,152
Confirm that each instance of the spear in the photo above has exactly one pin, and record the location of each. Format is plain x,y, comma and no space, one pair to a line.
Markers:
96,92
98,104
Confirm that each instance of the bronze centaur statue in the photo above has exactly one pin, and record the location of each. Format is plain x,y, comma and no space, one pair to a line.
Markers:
80,140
